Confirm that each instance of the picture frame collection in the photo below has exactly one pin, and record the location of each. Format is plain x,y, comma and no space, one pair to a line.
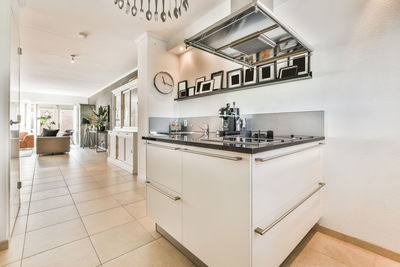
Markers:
282,69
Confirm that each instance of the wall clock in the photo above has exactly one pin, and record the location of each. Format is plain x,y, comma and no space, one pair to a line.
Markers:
164,82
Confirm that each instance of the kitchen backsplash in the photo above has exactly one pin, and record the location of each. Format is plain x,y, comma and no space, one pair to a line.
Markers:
298,123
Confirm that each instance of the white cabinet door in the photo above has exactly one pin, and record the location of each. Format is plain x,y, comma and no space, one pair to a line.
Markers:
283,180
112,146
129,150
164,165
216,206
164,210
121,148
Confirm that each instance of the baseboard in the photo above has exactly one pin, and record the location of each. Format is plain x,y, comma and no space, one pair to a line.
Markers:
3,245
359,243
121,164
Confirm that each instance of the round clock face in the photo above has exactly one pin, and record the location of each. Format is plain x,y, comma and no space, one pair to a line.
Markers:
164,82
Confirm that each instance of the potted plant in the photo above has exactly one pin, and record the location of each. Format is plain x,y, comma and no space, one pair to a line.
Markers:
100,118
46,121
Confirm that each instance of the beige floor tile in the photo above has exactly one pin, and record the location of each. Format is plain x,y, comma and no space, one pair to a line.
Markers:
25,197
90,195
50,217
48,180
50,203
341,251
14,264
385,262
23,210
26,189
97,205
53,236
119,240
48,186
20,225
311,258
128,197
14,252
76,254
137,209
50,193
81,180
150,226
107,181
158,253
119,188
83,187
101,221
47,174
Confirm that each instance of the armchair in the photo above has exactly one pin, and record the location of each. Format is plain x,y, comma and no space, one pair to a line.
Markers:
26,140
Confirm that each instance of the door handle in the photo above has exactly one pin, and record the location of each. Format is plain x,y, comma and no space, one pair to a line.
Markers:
18,121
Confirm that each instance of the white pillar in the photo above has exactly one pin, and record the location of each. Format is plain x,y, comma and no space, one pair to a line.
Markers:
153,57
5,43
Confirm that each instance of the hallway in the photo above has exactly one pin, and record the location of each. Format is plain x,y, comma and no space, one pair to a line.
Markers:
78,210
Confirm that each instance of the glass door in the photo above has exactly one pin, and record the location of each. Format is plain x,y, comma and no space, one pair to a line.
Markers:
15,119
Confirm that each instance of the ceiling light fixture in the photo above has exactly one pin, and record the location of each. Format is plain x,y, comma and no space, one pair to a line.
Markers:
181,48
73,59
83,35
172,11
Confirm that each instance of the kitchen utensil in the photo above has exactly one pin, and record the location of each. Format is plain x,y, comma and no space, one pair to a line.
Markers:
148,13
156,13
169,11
121,4
179,9
134,9
115,1
163,14
141,10
176,10
128,7
185,5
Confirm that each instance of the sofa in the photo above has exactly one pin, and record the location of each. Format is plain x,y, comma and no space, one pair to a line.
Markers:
52,144
26,140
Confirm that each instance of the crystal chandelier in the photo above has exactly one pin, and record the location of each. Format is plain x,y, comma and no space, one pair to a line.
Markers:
163,11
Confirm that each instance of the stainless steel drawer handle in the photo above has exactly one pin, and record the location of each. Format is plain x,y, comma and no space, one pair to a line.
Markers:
286,154
161,146
211,155
261,231
175,198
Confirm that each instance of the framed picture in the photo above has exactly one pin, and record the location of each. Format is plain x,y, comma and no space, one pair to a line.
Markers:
206,86
182,85
301,61
266,72
218,78
198,84
288,72
182,93
234,78
191,91
250,76
283,63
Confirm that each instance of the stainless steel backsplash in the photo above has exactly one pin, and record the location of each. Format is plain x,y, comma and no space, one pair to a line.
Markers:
298,123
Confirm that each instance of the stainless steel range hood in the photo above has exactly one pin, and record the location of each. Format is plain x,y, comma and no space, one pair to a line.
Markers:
251,36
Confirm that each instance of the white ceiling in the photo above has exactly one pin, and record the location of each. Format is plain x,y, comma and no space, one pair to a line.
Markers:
49,35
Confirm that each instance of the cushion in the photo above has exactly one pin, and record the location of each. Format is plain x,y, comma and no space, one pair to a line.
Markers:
47,132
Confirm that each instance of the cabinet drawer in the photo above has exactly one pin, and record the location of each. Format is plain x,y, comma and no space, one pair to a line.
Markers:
164,166
165,211
272,248
279,182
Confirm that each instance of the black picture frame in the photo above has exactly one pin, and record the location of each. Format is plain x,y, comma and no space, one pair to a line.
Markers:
198,84
182,85
218,78
207,86
191,91
249,76
288,72
266,72
234,78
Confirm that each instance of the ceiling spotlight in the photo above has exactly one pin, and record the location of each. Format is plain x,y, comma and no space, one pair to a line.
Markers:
181,48
83,35
73,60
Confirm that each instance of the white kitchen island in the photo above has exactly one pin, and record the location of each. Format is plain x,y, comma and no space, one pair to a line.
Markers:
233,208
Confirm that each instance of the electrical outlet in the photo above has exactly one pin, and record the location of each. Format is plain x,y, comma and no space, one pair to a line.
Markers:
185,123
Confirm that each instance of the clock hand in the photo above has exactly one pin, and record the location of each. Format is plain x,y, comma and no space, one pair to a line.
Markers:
168,84
163,80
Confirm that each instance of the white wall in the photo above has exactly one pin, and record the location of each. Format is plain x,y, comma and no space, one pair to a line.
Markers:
39,98
152,58
356,81
4,111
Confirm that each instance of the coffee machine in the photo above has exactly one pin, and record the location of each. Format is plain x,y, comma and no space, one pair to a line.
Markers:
230,120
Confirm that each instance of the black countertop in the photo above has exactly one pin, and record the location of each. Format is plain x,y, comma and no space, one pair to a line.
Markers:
214,142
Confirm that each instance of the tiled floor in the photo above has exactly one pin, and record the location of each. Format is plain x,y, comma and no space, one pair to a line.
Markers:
77,210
